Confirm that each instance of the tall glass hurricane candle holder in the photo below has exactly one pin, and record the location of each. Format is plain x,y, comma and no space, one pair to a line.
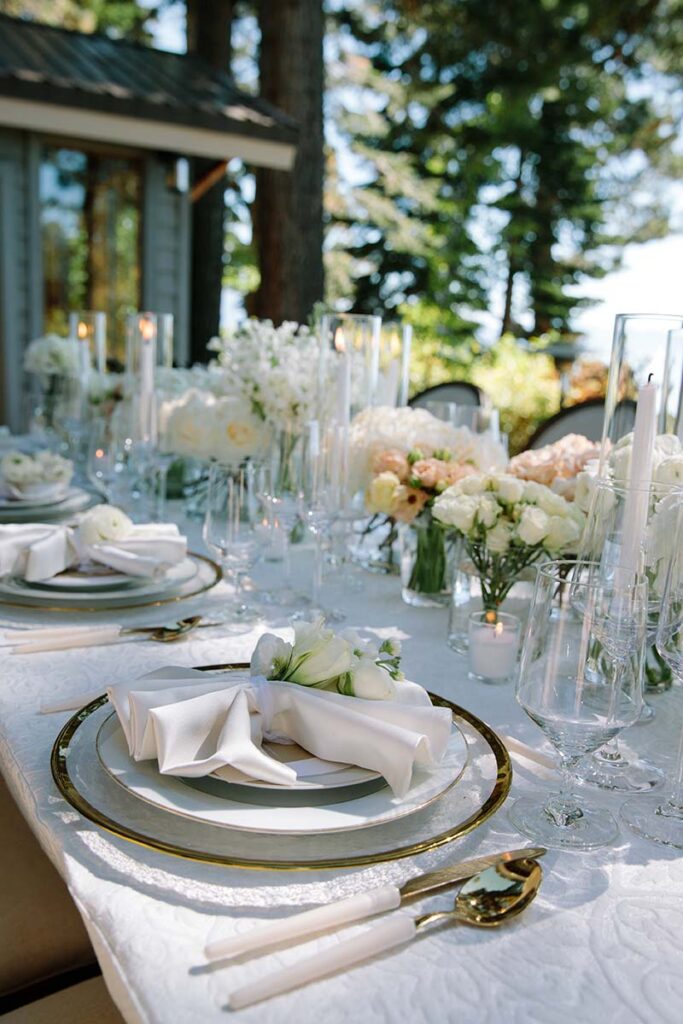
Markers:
651,817
580,681
356,337
644,346
89,329
393,383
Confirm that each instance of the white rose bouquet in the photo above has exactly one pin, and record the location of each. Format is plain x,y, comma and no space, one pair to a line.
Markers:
506,524
328,661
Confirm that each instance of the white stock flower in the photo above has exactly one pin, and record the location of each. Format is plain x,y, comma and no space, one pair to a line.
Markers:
104,523
533,525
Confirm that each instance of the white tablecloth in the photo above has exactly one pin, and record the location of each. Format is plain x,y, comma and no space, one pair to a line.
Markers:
601,943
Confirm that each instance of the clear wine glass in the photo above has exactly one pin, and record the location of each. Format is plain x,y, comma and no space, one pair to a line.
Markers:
580,680
230,529
650,816
283,489
612,505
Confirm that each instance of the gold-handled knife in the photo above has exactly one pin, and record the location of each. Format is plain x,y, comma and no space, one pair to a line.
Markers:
357,908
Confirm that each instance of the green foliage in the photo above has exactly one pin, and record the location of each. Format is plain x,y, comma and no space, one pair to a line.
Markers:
523,385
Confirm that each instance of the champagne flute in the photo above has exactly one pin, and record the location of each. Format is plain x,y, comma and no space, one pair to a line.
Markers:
650,816
578,698
230,529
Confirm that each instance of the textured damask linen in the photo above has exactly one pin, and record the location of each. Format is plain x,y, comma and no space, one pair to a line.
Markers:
600,944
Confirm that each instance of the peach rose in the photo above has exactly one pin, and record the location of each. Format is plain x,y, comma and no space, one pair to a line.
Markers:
409,502
429,472
457,470
392,461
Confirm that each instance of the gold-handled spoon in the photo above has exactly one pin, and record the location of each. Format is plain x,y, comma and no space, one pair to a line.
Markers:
167,634
495,895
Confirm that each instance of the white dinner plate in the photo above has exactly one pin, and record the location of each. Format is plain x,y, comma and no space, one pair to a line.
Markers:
15,590
143,780
75,500
79,579
34,502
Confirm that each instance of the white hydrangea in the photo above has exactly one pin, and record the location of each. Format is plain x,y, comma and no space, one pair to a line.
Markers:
52,356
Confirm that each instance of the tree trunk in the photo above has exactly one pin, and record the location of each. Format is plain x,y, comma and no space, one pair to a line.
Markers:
288,208
209,24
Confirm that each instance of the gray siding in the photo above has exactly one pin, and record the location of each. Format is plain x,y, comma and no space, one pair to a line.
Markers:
165,246
20,294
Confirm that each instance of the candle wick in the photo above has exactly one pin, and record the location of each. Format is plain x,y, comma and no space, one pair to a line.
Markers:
649,377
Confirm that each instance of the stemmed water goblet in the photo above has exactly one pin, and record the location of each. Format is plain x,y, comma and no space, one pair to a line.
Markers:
603,538
231,529
320,504
580,680
650,816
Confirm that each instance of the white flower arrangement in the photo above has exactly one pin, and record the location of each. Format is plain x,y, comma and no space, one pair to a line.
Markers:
201,425
103,523
506,523
667,467
275,368
32,473
52,356
325,660
382,428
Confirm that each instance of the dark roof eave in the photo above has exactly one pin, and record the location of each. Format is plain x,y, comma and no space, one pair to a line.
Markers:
191,117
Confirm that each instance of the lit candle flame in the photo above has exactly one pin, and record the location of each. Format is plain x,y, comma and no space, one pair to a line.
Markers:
82,330
498,629
146,329
339,340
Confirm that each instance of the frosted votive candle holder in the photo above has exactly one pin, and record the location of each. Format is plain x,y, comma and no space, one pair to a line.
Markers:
493,646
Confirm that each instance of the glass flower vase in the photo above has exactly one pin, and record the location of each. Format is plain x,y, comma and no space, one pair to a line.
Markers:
427,558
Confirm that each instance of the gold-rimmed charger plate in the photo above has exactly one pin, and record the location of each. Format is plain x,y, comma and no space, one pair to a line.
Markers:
207,576
87,787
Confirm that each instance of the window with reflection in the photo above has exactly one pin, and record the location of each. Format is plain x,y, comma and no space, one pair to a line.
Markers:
90,205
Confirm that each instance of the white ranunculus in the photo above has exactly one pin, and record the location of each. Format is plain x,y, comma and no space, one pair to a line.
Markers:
104,523
19,469
54,468
271,657
510,488
488,511
533,525
669,472
370,681
498,539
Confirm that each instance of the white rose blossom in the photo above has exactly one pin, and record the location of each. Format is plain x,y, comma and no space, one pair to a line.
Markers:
533,525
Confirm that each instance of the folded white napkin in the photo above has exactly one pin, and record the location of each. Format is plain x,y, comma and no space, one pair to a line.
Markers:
194,726
39,551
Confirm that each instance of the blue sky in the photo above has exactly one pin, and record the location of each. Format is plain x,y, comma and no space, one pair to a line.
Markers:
650,281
